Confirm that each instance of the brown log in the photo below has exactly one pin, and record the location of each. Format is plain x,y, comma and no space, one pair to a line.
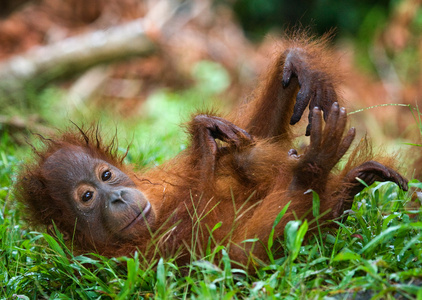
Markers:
72,55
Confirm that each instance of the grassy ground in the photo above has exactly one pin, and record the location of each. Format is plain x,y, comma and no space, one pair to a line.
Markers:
376,253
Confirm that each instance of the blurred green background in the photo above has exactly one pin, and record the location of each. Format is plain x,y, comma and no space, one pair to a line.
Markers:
206,55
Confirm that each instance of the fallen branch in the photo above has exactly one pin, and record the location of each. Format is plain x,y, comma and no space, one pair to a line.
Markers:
72,55
43,64
31,123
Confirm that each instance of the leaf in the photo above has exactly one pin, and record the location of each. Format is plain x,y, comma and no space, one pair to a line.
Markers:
161,280
388,234
290,232
419,295
387,220
315,204
294,234
276,221
299,237
342,256
218,225
86,260
207,266
415,183
254,240
55,246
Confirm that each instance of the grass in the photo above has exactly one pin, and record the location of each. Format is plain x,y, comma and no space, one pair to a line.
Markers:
377,249
376,252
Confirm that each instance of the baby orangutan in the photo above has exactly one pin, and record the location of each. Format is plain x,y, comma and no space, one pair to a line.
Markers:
243,180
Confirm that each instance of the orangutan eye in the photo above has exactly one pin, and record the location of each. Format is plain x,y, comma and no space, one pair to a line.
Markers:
106,175
87,196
